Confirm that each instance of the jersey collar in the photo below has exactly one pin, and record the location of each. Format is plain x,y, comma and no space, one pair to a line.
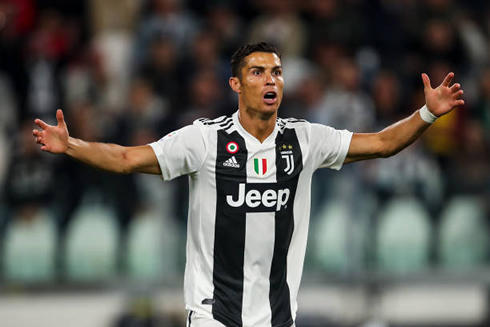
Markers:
250,137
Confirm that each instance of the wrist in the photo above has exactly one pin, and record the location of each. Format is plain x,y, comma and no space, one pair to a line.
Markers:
426,115
70,146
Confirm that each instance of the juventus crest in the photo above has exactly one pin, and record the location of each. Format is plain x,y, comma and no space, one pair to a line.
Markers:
287,154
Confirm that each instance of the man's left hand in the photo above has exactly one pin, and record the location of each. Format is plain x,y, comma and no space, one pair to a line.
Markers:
443,98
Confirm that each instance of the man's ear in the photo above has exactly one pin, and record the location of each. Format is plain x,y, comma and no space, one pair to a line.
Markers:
235,84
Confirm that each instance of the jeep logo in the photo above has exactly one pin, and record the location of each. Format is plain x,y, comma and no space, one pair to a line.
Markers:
269,199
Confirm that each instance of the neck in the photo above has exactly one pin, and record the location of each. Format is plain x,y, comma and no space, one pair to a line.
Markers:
257,124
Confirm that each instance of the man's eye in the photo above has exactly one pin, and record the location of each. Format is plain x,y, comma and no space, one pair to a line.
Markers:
278,73
256,72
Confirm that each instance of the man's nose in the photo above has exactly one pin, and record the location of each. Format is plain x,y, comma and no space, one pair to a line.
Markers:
270,80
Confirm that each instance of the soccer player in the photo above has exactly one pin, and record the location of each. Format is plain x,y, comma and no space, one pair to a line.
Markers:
250,176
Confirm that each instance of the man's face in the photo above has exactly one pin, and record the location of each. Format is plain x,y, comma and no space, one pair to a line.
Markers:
261,84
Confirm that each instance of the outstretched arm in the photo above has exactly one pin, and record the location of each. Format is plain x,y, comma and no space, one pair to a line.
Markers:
439,101
109,157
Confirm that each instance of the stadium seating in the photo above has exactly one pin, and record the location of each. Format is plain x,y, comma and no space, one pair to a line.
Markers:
91,245
330,237
152,246
29,248
463,238
340,233
403,237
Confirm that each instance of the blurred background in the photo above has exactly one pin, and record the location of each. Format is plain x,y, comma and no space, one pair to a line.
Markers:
394,242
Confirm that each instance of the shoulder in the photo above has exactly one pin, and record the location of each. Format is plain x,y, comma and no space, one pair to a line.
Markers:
223,122
292,123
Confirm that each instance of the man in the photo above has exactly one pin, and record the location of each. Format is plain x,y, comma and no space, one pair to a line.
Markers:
250,177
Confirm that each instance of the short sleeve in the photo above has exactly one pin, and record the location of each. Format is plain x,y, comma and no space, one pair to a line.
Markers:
329,146
180,152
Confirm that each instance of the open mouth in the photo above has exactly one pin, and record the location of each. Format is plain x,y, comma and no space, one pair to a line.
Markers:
270,97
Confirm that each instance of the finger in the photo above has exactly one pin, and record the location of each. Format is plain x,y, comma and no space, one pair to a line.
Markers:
455,87
39,140
448,79
426,81
458,94
41,124
44,148
459,103
35,132
60,117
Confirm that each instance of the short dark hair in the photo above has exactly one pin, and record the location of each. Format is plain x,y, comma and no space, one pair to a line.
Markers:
238,58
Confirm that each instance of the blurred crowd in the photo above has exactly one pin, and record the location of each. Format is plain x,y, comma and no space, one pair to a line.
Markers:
131,71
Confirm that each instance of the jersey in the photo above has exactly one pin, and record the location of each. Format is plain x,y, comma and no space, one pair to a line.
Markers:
249,206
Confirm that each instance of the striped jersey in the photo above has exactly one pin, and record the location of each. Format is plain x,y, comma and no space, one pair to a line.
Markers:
249,207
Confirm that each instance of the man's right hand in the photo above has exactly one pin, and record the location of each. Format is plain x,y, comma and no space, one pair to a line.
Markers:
53,139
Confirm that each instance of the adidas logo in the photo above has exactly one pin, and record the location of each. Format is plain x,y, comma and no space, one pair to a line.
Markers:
231,163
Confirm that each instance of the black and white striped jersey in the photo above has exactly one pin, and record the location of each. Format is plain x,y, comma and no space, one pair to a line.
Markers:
248,213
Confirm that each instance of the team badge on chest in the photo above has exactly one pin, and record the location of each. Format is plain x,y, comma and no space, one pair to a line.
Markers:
260,166
287,154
